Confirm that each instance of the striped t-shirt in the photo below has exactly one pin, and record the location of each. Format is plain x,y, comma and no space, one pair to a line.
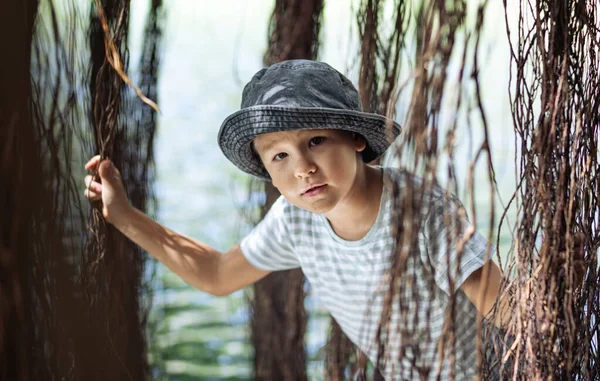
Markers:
351,278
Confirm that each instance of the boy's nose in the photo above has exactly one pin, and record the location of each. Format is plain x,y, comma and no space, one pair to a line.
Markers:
305,167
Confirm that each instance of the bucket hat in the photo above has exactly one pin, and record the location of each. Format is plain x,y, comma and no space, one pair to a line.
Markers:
300,95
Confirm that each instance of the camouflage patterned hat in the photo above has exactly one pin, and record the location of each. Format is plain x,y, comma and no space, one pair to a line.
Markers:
300,95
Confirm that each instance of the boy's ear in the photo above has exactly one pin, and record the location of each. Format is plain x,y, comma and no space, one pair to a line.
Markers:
360,143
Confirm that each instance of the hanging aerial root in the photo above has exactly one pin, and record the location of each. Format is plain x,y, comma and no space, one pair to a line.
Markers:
114,57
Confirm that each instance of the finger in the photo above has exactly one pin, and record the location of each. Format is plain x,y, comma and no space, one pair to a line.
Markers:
93,185
93,163
106,169
96,188
92,195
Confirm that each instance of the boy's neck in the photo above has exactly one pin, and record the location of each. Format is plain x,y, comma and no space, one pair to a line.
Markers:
354,216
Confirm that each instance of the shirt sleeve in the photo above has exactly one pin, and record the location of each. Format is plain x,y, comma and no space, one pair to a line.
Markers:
269,245
445,228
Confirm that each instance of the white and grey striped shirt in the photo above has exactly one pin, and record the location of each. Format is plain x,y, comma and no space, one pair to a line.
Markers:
351,279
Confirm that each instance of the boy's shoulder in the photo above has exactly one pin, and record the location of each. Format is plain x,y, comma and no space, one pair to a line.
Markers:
407,180
426,188
429,197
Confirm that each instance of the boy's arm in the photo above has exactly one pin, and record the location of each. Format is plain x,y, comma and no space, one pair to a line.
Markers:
196,263
484,293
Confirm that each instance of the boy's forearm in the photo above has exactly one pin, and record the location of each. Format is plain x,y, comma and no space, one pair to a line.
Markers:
500,316
506,306
195,262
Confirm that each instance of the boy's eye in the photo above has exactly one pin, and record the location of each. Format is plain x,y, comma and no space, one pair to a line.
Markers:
316,140
279,156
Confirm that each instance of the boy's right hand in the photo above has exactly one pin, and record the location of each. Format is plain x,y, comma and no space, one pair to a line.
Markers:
108,188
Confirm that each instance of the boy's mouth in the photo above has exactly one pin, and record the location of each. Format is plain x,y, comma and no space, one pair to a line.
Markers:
313,189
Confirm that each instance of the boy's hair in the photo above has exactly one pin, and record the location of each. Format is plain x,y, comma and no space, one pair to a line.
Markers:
300,95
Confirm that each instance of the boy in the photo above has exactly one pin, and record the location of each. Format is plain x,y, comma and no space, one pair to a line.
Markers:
301,127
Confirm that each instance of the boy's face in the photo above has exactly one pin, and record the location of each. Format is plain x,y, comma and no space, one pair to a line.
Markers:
313,169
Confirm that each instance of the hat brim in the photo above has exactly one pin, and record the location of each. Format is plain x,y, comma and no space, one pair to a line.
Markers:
240,128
